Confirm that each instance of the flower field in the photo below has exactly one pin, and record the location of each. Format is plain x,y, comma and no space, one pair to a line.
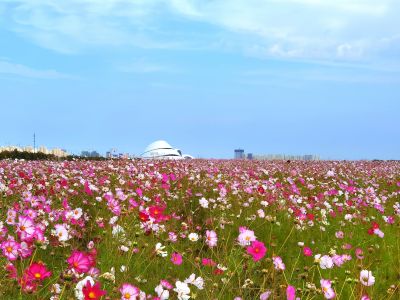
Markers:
199,229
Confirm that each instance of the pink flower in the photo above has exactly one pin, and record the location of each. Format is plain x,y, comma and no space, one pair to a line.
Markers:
359,253
165,284
307,251
26,227
211,238
339,234
278,263
245,236
257,250
290,292
265,295
10,249
172,237
129,292
80,261
37,271
327,289
176,258
208,262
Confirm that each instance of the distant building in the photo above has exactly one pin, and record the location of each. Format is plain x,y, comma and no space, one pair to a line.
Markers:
239,154
90,154
307,157
56,151
162,150
249,156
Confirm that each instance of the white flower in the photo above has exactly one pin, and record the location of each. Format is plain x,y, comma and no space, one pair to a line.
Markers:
162,294
119,232
197,282
124,248
159,250
182,289
330,173
246,236
113,220
122,269
77,213
193,237
367,278
79,286
61,232
203,202
326,262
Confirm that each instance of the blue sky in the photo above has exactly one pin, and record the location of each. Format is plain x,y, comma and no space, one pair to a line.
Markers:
287,76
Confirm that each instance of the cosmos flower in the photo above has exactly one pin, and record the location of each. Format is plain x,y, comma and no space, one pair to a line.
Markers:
257,250
246,236
160,250
61,232
290,292
326,262
25,227
211,238
176,258
327,289
92,292
197,282
278,263
203,202
182,289
129,292
307,251
194,237
79,287
162,293
10,249
37,271
80,261
366,278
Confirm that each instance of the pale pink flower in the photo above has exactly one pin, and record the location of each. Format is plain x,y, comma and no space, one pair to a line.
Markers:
211,238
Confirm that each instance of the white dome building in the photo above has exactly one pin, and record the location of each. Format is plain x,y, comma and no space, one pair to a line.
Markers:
162,150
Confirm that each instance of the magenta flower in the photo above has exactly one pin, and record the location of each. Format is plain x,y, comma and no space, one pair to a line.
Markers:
37,271
291,292
257,250
307,251
80,261
176,258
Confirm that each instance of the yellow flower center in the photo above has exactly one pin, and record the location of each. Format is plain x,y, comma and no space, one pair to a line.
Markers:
92,295
127,296
38,275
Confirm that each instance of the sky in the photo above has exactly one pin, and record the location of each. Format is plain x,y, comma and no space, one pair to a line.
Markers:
269,76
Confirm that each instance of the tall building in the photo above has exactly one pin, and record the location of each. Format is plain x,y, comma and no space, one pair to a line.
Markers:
239,154
249,156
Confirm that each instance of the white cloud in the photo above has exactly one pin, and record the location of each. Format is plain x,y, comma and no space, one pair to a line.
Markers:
306,29
14,69
145,66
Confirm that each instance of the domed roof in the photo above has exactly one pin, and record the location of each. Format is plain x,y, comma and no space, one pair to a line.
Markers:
157,145
162,150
